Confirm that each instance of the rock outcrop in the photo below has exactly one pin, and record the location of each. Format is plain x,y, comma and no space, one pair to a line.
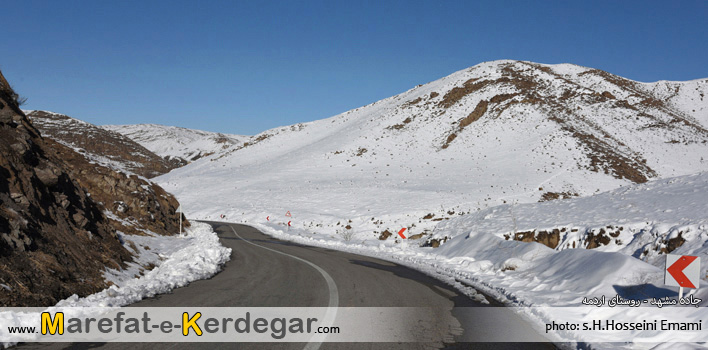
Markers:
142,204
55,237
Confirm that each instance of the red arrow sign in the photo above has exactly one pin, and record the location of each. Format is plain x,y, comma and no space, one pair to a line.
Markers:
268,217
676,271
400,233
289,223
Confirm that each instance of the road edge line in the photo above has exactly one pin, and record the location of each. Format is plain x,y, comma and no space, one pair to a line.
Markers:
331,313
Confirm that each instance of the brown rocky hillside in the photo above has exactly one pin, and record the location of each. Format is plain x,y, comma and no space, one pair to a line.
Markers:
102,146
55,237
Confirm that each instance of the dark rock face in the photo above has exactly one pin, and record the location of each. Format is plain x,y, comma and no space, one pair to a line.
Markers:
129,197
55,239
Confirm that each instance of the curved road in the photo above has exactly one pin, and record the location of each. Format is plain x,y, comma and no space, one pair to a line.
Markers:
265,272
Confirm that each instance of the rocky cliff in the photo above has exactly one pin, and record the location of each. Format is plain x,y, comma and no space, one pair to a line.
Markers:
55,237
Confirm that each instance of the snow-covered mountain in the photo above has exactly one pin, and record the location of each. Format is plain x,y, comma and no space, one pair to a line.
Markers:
499,132
461,164
184,145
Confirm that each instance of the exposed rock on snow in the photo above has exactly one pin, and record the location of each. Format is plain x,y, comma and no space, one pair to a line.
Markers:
179,145
105,147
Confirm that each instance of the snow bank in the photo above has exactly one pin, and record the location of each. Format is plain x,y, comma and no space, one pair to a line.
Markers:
180,260
194,256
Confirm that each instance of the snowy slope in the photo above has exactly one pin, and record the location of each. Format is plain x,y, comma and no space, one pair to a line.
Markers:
545,130
105,147
688,97
461,162
178,143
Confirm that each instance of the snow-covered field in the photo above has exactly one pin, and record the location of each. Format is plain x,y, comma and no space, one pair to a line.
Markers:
530,274
354,178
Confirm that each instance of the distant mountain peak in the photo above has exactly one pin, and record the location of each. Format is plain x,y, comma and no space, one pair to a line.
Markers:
102,146
177,143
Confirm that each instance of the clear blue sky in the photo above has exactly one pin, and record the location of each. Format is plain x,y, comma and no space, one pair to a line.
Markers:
244,67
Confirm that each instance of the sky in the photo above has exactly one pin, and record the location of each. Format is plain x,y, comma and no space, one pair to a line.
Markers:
243,67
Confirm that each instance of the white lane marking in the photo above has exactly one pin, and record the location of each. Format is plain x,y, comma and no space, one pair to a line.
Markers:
331,313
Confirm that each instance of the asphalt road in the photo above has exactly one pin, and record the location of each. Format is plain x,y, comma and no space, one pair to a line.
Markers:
265,272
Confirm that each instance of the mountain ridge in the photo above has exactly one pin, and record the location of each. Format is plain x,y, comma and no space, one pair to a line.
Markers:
176,144
102,146
497,132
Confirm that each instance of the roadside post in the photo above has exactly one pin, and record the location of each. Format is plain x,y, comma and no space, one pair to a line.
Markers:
179,211
682,271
